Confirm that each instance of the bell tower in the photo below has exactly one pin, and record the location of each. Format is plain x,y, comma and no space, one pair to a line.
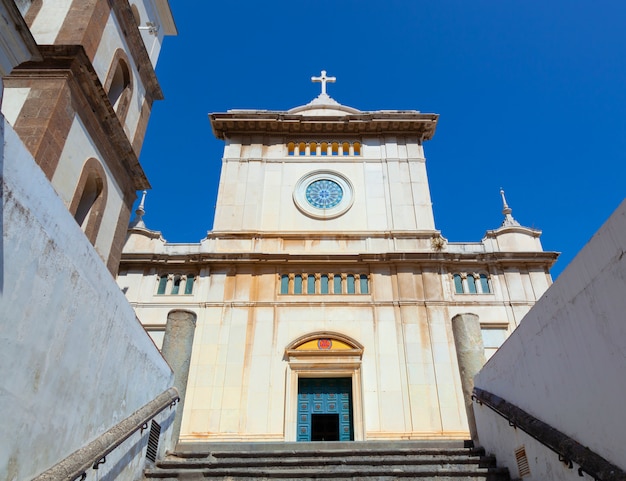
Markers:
82,109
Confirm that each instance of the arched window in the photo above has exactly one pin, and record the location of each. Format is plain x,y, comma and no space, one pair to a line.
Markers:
284,284
458,283
297,284
324,148
93,188
324,284
346,148
364,288
337,284
350,283
357,148
313,148
176,285
291,147
471,284
189,284
484,284
302,147
162,284
335,148
119,84
310,284
89,199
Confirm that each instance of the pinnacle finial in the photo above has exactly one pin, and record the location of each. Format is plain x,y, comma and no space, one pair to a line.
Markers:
506,211
139,213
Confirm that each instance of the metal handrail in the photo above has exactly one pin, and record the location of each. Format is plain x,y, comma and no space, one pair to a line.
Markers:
75,466
568,450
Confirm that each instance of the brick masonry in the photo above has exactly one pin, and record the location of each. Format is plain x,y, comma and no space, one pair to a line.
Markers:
119,237
84,25
45,119
142,124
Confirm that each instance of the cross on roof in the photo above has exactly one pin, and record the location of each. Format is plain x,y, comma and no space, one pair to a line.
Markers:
324,79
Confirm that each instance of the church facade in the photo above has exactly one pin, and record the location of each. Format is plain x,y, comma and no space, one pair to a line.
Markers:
324,294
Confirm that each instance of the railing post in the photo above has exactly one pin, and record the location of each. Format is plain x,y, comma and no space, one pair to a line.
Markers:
471,357
177,344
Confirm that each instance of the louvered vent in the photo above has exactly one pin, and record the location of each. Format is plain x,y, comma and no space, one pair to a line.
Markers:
522,462
153,441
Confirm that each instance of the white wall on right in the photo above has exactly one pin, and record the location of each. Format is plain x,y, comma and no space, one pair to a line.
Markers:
566,362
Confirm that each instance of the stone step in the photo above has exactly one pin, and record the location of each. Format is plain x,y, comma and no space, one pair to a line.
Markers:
295,459
335,472
366,461
199,449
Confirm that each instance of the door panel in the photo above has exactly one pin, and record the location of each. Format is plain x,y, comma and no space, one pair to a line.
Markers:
320,397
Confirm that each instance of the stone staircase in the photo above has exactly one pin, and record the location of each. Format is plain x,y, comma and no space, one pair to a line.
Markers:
367,461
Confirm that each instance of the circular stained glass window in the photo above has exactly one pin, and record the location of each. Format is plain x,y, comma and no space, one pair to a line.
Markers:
324,194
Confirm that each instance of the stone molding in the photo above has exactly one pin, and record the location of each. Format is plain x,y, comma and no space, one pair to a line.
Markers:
508,259
225,125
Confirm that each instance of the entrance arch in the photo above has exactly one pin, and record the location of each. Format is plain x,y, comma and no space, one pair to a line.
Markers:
323,388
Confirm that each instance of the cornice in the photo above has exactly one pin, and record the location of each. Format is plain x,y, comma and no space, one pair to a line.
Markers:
330,235
300,300
492,234
426,259
165,14
229,124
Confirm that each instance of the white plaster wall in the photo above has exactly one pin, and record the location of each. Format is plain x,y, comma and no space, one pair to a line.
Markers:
496,436
148,13
77,149
74,360
565,362
13,101
49,21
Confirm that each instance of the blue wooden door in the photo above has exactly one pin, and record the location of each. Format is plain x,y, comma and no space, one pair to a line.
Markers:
325,409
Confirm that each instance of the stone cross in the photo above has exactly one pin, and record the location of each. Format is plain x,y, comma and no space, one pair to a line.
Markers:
324,79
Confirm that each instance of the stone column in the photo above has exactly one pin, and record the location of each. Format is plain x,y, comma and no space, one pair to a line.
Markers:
177,344
471,357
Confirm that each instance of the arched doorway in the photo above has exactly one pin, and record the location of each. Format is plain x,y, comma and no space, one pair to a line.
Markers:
324,400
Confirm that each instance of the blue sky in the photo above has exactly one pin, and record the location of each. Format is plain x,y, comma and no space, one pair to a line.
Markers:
531,97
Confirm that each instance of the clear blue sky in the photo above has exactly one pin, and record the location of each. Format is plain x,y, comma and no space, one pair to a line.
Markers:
531,97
